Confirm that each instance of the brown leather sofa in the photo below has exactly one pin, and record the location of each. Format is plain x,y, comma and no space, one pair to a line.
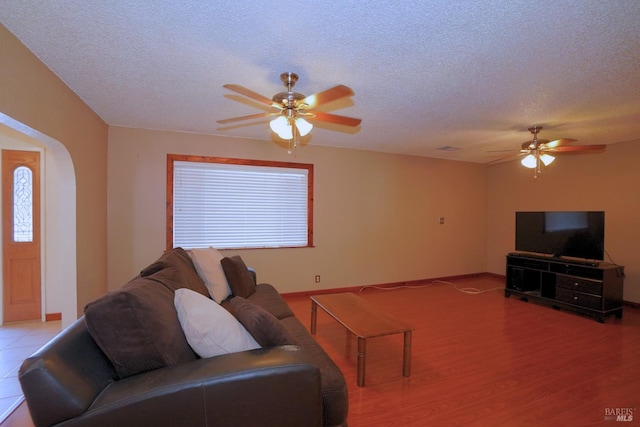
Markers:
79,379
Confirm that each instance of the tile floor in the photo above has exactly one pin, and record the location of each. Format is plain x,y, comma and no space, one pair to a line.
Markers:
17,342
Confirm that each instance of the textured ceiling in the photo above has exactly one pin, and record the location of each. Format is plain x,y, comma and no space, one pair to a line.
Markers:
473,75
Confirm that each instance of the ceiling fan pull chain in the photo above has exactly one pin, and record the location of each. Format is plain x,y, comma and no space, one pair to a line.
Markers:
294,140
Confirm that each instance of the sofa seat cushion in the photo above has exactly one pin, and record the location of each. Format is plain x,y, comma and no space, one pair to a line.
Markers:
137,327
335,398
210,329
175,270
267,297
262,325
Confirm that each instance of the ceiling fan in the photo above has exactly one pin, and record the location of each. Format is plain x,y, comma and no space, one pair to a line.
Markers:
538,151
293,109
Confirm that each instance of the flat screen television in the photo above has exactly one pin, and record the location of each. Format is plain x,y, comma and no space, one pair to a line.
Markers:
568,234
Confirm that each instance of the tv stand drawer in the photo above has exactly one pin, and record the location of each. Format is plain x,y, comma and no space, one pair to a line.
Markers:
579,298
579,284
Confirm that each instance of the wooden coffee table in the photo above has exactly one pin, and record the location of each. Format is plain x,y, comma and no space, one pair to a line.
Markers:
364,321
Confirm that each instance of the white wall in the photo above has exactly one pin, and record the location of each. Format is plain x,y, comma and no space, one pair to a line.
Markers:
375,215
598,182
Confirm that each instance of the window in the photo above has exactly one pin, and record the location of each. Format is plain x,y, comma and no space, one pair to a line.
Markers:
22,204
234,203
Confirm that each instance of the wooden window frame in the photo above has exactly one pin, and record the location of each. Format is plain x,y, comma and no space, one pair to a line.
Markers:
171,158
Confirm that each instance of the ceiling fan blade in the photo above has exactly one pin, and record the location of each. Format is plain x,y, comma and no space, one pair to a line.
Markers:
559,142
252,116
333,118
325,96
501,152
506,158
253,95
576,148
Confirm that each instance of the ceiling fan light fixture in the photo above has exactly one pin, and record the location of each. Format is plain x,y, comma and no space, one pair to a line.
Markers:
547,159
287,133
529,161
304,127
282,127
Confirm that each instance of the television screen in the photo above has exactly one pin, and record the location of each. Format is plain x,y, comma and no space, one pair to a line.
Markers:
569,234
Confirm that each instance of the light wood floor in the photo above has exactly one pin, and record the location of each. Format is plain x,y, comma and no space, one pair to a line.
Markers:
482,360
486,360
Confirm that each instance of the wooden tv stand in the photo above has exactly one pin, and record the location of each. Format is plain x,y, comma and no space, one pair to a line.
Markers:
593,289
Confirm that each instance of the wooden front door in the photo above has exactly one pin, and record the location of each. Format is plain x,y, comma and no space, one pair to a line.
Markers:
21,235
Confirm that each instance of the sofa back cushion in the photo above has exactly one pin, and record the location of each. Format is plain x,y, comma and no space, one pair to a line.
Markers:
240,279
262,325
137,327
210,329
175,270
209,268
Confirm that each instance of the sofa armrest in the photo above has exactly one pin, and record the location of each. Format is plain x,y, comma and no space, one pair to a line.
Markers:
63,378
275,386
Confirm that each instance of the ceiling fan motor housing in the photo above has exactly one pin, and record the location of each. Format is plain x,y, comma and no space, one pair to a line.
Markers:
288,99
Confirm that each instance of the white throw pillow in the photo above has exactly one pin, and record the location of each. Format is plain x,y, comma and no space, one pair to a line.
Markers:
210,329
207,263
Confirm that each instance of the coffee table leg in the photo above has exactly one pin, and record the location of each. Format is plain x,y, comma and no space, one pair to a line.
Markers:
362,353
406,362
314,316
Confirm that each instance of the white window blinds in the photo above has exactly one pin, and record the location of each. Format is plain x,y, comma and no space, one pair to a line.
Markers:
239,206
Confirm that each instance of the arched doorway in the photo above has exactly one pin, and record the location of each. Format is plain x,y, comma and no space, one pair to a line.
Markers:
59,289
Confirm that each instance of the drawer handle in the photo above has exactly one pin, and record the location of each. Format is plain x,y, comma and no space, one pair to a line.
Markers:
576,284
575,298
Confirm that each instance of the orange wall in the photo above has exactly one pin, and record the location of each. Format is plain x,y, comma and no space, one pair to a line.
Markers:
599,182
31,94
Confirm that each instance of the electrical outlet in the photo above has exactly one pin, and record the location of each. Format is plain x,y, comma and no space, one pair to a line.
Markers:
317,278
441,220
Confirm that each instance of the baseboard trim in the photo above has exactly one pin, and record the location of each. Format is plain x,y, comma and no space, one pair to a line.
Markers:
50,317
631,304
408,284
